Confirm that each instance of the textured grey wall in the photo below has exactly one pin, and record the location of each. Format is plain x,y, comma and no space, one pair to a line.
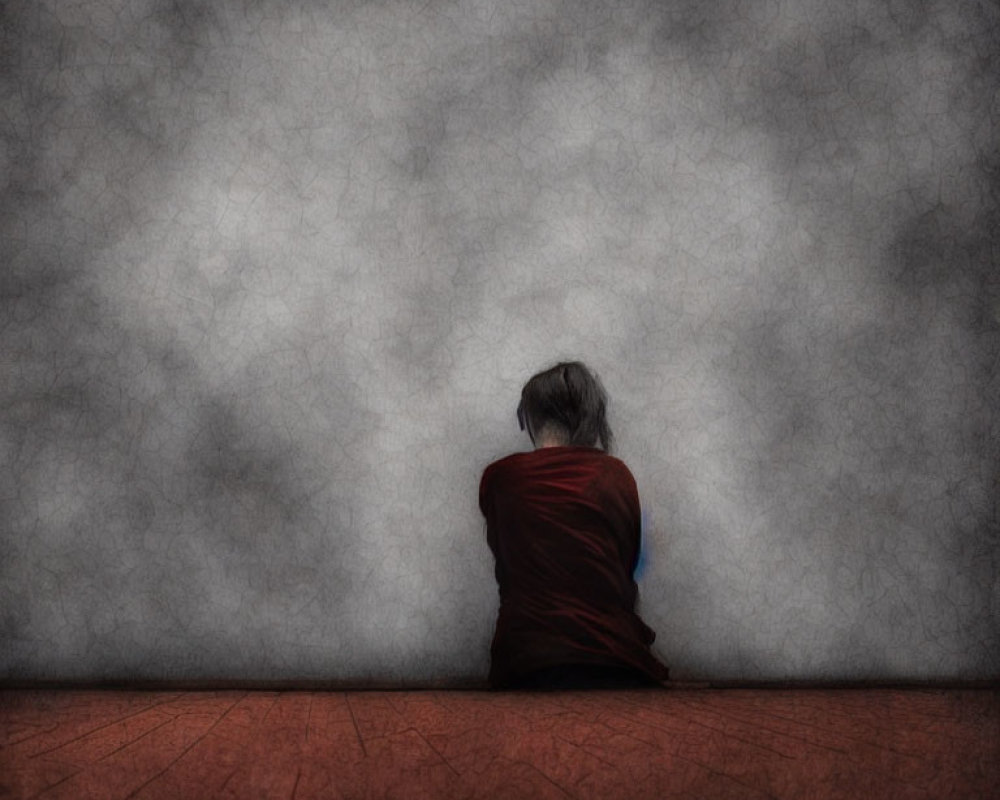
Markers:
275,272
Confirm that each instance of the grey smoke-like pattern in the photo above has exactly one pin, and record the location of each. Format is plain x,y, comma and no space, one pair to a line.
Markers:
274,274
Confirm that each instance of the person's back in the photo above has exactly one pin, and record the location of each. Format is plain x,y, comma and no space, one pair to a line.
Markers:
563,523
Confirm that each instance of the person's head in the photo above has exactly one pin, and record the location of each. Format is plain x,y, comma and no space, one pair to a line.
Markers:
565,404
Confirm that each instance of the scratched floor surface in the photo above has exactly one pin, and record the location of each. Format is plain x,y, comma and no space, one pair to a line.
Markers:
471,744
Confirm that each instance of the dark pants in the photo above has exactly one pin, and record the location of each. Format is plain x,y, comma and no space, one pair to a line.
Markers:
583,676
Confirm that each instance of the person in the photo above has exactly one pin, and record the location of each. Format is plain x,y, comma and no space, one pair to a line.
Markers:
564,524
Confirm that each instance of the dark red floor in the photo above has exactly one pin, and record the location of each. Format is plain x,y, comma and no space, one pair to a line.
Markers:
796,743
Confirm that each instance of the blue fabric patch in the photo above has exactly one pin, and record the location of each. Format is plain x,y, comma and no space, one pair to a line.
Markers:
640,564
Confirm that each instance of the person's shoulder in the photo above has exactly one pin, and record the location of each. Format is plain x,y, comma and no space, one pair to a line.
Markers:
503,464
523,459
613,462
615,468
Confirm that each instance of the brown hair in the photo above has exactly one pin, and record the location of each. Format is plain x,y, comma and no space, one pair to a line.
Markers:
570,401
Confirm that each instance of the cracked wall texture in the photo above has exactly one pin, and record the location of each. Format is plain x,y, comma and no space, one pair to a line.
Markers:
275,272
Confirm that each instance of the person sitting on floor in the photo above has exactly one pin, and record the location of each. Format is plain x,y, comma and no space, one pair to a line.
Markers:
564,525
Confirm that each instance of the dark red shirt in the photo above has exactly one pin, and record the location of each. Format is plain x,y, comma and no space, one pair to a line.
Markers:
564,526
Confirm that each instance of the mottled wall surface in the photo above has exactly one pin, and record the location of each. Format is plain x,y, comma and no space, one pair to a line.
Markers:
273,274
